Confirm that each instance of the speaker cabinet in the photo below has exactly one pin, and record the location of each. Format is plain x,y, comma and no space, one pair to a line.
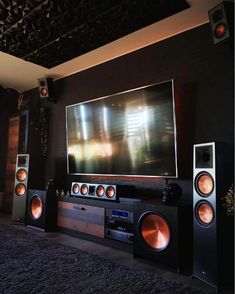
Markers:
222,22
46,89
42,209
213,229
20,188
163,234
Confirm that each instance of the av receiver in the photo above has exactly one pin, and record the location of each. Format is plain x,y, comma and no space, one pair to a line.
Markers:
119,225
98,191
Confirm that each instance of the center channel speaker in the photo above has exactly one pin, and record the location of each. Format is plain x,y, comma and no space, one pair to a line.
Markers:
42,209
20,188
163,234
213,228
101,191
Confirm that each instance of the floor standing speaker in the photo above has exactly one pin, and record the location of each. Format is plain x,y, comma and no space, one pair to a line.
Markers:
163,234
20,188
42,209
213,232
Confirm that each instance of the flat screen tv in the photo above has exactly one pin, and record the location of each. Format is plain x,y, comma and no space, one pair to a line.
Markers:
132,133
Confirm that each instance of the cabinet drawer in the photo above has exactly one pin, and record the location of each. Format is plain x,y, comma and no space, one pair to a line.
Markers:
82,218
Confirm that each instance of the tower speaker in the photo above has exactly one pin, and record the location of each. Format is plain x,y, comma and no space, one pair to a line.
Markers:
42,209
213,229
163,234
222,22
46,89
20,188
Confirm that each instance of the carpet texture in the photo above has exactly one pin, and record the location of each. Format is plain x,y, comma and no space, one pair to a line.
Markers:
32,264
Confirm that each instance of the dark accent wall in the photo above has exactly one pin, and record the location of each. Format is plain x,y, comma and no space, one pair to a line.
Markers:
203,75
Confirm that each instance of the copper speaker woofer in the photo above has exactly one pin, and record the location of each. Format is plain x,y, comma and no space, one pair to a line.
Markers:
36,207
155,231
220,30
21,174
84,189
204,184
110,191
100,191
75,188
20,189
204,212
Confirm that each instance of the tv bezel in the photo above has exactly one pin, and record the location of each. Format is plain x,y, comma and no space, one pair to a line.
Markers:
124,175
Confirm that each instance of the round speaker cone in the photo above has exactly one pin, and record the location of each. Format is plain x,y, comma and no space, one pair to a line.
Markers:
220,30
75,188
204,184
20,189
205,213
36,207
21,174
100,191
155,231
43,91
110,191
84,189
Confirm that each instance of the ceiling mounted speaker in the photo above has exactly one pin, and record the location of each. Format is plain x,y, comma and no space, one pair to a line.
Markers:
222,22
46,89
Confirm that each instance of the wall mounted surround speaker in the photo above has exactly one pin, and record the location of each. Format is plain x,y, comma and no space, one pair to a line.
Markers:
222,22
98,191
46,89
163,234
20,188
42,209
213,229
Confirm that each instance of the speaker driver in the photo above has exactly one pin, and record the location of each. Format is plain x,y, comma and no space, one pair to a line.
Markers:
84,189
100,191
75,188
204,213
36,207
21,174
204,184
110,191
155,231
220,30
20,189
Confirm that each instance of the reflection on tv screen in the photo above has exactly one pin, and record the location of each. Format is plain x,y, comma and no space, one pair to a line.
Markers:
130,133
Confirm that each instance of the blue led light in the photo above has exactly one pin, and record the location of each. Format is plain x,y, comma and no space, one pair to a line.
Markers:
115,212
124,214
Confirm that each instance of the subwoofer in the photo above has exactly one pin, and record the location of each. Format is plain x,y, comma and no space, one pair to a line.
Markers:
163,234
213,229
42,209
20,188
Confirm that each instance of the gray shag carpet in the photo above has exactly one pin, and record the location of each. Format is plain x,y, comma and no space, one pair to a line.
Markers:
30,263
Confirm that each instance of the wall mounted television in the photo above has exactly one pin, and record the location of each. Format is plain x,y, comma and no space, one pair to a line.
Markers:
132,133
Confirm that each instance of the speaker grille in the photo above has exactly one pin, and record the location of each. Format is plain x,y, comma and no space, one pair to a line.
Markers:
36,207
155,231
204,184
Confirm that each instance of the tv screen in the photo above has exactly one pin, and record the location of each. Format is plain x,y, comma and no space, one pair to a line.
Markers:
132,133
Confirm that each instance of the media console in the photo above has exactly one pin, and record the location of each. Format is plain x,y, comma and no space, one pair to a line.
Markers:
148,228
108,223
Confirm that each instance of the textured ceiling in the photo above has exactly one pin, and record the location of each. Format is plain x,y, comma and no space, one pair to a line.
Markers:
52,32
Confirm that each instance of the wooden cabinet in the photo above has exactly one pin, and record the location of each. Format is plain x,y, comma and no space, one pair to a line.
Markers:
81,218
